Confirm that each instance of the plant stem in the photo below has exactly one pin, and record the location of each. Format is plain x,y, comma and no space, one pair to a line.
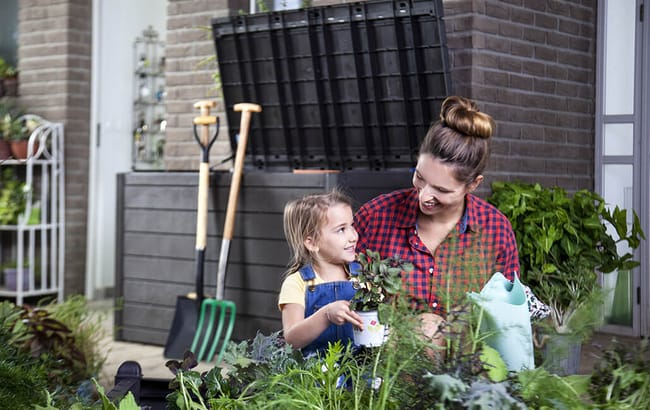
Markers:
476,330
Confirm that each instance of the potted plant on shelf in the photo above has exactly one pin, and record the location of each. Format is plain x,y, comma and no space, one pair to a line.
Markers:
564,241
19,131
10,273
8,79
378,282
9,124
16,128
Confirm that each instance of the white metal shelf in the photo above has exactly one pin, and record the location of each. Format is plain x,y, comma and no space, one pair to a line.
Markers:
40,246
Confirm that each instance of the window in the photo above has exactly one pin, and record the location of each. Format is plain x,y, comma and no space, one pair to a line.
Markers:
9,31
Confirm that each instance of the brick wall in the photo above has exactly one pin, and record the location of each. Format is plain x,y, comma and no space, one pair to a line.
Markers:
531,65
54,62
190,66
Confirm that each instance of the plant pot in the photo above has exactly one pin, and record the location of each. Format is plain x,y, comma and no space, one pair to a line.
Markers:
373,333
5,149
9,86
19,148
561,354
11,278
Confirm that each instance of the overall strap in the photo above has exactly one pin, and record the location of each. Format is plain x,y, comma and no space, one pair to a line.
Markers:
354,268
309,276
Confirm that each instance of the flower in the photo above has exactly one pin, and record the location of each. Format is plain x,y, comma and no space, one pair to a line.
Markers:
378,280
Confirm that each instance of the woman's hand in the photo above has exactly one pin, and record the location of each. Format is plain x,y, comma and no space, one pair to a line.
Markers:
339,312
431,329
430,326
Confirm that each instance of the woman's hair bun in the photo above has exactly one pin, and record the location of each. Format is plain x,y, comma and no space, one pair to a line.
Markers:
463,116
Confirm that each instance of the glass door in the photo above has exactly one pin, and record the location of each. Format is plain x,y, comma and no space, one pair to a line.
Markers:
618,172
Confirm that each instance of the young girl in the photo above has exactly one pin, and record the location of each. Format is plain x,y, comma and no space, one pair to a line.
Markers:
315,295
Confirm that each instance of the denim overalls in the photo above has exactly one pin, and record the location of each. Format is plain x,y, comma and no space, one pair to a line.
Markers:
317,296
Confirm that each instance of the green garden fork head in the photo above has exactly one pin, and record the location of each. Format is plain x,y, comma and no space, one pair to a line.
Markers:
221,312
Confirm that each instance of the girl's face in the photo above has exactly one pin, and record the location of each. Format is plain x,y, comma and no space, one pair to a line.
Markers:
438,189
338,238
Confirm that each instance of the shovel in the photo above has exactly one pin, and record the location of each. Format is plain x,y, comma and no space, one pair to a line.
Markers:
226,309
184,323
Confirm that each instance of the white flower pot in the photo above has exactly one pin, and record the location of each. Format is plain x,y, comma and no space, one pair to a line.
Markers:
373,333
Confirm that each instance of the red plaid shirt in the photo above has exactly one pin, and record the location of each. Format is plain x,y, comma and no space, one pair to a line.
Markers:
481,244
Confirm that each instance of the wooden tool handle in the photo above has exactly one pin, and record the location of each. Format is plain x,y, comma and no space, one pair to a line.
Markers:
246,109
205,120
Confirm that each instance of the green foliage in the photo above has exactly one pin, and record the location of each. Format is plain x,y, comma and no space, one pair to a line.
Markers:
378,281
13,125
12,197
24,379
495,367
563,241
6,69
61,342
244,364
86,329
546,391
10,127
621,379
266,373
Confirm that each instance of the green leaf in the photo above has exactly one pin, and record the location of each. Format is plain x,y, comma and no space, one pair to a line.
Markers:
128,403
493,363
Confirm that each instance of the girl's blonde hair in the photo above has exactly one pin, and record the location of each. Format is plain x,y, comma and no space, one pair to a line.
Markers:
303,218
460,138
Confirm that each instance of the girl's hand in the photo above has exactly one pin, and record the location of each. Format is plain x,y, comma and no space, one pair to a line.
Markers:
339,312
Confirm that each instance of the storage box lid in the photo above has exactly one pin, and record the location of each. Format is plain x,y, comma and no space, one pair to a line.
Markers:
347,86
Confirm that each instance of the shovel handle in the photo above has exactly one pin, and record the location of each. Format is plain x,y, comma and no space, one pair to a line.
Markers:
204,120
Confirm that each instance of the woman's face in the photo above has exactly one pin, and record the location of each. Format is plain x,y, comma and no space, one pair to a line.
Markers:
438,189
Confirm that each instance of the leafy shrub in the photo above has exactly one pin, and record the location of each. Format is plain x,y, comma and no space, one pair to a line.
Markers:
621,379
24,379
267,373
563,240
58,341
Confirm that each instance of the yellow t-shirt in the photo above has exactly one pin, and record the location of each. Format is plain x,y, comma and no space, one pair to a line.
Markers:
293,289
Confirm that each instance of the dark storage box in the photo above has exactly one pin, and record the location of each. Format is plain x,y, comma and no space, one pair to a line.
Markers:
348,86
156,243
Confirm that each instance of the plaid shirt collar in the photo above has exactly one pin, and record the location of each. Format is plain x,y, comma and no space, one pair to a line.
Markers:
409,214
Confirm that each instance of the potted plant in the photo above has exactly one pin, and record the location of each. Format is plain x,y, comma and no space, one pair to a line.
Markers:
377,283
10,273
19,131
16,129
563,242
8,79
5,148
9,124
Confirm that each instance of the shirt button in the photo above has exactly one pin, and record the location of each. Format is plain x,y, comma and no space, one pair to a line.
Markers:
430,270
434,304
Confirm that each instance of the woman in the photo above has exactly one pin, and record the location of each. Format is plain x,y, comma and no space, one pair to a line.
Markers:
454,239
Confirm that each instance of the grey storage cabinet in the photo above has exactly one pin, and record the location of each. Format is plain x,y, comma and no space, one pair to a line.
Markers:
156,241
